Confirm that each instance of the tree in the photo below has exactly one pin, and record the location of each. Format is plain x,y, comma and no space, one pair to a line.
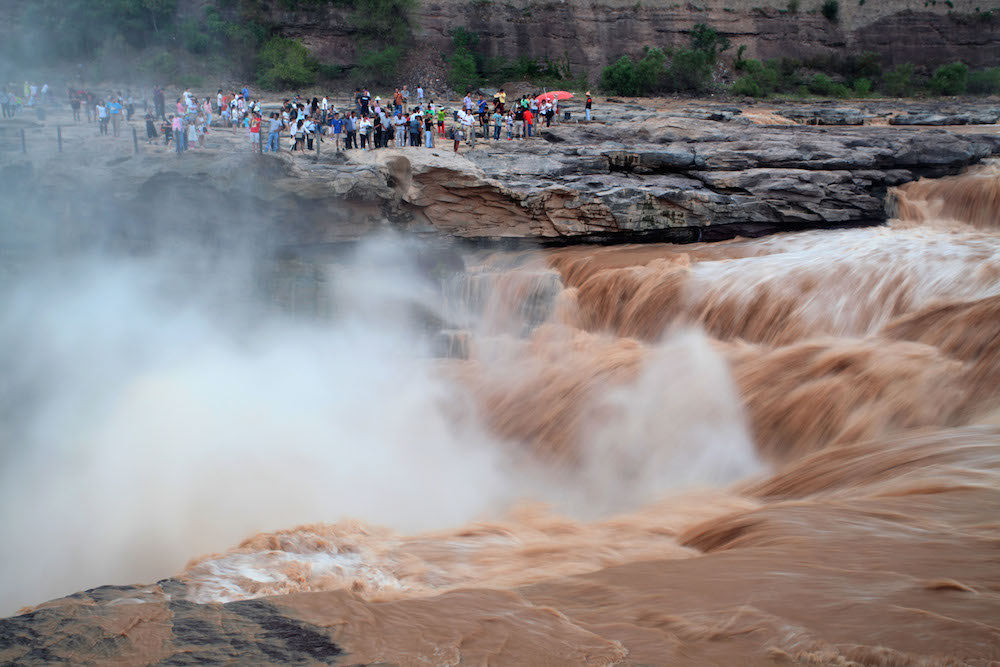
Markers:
285,63
950,79
462,73
620,78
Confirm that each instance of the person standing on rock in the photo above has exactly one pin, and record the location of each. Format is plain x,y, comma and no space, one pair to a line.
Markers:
588,105
167,130
357,100
177,129
497,123
469,125
529,123
102,117
351,128
337,128
441,115
406,99
428,130
456,134
484,116
159,103
415,130
273,133
150,127
366,130
115,111
400,124
420,94
518,121
467,102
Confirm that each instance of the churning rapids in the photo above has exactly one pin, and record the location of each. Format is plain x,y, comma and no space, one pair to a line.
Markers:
755,451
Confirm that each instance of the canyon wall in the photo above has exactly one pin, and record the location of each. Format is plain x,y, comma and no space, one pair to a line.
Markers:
590,35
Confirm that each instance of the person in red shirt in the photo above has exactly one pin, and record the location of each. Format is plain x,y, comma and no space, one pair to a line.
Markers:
255,133
529,122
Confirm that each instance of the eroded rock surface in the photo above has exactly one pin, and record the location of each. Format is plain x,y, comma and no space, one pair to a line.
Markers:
634,174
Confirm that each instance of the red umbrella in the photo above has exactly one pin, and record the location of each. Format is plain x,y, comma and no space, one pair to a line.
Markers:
561,94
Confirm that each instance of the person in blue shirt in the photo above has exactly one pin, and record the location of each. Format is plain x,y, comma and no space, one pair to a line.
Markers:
337,125
115,111
484,116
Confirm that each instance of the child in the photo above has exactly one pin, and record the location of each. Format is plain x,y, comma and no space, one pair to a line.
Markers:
497,123
510,126
441,116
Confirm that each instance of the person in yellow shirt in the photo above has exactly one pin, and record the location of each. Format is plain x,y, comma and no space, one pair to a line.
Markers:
501,99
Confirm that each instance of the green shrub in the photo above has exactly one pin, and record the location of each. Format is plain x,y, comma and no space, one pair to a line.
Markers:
620,78
760,79
192,37
821,84
867,64
831,10
462,73
651,70
690,71
950,79
285,63
746,86
708,40
793,6
899,81
862,87
985,82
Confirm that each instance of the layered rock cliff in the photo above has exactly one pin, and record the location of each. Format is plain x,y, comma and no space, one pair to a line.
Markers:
589,35
635,175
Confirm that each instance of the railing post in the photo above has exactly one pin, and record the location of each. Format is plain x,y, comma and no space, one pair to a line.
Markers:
260,138
59,136
135,141
24,143
319,140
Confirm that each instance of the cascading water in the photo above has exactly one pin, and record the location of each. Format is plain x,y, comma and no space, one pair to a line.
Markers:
633,452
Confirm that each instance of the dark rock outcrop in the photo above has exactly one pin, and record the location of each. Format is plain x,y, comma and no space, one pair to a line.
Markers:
636,175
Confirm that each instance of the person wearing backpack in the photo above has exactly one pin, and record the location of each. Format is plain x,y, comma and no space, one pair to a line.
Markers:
415,131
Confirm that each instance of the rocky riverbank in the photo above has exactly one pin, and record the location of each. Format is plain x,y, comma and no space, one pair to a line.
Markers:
686,172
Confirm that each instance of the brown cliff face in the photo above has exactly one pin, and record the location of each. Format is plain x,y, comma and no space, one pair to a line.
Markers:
591,35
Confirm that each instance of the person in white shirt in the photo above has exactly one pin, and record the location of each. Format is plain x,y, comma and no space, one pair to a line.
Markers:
400,124
420,95
468,121
102,116
406,99
325,104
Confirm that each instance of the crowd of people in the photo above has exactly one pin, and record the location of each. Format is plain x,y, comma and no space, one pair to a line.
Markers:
405,120
402,120
15,98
